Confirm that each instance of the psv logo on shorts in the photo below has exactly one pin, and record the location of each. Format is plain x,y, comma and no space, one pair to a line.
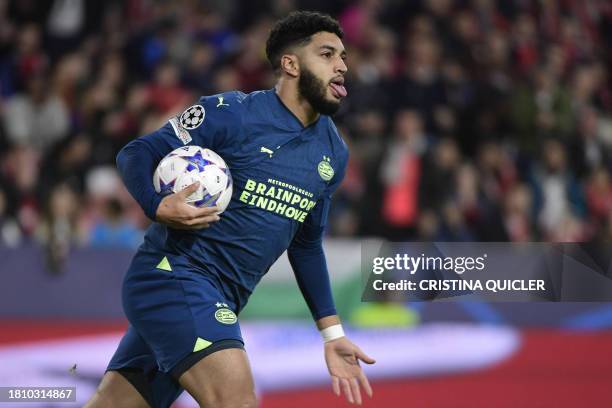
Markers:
192,117
225,316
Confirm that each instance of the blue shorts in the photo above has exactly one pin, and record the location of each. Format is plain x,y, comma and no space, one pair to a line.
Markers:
177,316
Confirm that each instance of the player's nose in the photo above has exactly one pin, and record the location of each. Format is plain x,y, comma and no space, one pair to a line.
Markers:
341,66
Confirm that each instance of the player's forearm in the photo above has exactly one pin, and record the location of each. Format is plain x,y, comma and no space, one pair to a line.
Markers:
136,164
310,268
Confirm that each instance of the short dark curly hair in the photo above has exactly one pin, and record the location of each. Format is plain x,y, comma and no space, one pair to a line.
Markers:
297,28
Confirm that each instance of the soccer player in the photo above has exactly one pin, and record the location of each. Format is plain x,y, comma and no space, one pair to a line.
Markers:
195,270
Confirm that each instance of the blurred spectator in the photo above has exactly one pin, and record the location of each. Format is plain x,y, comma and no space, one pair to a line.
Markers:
198,72
20,169
69,160
559,199
599,195
454,227
541,109
10,233
428,226
467,193
358,21
590,148
65,24
441,165
37,118
366,148
58,230
401,172
348,199
29,59
420,86
497,171
518,214
252,68
114,230
166,94
69,75
525,42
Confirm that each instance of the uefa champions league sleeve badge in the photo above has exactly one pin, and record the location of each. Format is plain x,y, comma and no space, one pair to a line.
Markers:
192,117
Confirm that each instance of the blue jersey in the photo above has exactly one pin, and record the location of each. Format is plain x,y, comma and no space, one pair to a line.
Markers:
284,175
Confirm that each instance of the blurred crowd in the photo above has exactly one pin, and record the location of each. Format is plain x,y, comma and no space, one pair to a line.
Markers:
470,120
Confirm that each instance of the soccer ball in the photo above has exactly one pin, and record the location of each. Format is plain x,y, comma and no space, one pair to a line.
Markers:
186,165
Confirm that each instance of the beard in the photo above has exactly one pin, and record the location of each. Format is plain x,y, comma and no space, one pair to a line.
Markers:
314,91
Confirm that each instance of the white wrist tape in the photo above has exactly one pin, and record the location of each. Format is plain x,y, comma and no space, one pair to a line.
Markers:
332,333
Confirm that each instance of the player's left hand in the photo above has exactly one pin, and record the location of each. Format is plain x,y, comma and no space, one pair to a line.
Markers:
342,358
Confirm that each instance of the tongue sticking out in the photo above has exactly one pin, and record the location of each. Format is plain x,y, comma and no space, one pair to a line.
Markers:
338,90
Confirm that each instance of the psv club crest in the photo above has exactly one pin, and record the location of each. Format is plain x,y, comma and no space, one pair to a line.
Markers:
326,171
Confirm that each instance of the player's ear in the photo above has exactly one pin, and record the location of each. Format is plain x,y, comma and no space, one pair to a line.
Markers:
289,64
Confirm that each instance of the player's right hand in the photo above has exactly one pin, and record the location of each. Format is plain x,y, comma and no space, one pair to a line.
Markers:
174,212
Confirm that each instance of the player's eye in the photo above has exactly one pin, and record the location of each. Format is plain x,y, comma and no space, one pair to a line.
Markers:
327,54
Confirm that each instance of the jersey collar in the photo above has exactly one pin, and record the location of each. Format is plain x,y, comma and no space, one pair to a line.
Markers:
288,118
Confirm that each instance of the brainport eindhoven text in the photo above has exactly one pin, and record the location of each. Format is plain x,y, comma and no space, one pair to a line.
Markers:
491,285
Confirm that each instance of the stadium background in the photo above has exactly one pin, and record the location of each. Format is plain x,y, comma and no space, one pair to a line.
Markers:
473,120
